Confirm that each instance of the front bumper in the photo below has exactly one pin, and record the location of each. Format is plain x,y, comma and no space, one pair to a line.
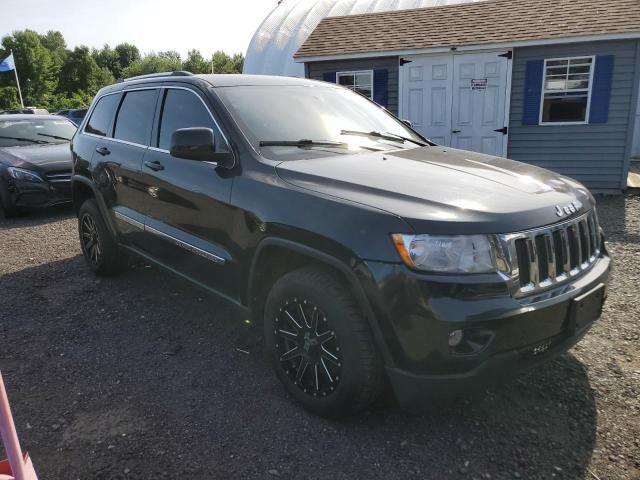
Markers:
417,313
23,194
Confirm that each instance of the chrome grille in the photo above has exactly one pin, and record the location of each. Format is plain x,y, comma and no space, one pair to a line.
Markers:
548,256
57,177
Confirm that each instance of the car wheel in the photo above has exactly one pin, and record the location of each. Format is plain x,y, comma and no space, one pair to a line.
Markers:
8,210
102,253
320,344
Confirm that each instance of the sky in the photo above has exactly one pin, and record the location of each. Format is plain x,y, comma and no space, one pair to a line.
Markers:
151,25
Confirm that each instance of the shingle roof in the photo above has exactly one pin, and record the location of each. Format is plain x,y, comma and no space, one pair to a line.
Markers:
491,21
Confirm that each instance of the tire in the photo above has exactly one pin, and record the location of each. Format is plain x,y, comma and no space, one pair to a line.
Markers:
9,211
101,252
342,369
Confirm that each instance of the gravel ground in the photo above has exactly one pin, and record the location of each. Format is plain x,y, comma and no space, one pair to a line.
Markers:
142,377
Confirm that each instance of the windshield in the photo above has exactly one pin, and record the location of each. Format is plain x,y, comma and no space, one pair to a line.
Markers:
295,122
21,132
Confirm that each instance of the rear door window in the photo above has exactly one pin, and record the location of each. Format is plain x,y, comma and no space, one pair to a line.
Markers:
102,117
135,116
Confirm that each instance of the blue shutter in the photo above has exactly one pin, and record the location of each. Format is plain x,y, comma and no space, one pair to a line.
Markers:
532,92
329,77
601,89
381,87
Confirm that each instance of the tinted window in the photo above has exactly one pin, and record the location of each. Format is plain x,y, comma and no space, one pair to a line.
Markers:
102,116
182,109
135,117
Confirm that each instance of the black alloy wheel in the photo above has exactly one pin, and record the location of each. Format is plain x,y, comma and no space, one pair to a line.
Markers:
320,344
90,239
308,347
101,252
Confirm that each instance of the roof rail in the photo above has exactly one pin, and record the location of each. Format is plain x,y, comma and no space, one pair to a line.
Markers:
177,73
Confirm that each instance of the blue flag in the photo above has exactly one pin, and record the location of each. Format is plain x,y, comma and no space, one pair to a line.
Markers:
7,64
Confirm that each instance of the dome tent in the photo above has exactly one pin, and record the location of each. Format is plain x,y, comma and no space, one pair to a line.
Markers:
289,24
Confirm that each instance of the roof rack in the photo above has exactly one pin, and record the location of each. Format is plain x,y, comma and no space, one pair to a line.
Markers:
178,73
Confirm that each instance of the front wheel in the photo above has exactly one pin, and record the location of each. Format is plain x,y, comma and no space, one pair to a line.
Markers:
101,252
320,344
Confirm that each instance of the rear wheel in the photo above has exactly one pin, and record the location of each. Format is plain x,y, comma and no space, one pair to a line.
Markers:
320,344
101,252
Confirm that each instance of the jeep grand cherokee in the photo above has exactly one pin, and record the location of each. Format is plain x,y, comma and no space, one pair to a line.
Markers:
369,254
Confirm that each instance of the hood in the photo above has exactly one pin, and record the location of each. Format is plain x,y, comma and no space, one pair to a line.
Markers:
42,158
443,190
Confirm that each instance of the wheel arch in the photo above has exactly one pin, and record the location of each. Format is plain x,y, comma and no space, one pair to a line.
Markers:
82,189
296,255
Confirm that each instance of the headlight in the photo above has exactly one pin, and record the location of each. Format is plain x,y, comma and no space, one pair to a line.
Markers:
451,254
26,175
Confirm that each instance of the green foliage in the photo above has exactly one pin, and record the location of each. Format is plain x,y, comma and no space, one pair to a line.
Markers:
9,98
81,73
127,54
195,63
223,63
37,69
153,63
56,78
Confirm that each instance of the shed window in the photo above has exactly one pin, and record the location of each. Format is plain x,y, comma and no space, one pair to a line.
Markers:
360,82
566,90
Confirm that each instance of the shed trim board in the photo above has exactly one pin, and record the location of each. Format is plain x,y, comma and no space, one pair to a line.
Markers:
475,48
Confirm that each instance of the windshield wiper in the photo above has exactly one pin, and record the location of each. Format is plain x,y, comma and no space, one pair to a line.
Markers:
24,139
303,143
57,137
384,136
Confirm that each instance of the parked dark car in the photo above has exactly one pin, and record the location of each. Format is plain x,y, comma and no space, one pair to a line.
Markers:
75,115
365,250
26,111
35,162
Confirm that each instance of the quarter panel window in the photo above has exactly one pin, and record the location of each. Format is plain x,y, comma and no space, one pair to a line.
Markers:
102,116
183,109
360,82
135,116
566,89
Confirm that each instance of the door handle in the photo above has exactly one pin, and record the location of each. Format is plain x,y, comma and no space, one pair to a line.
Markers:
456,131
155,165
103,151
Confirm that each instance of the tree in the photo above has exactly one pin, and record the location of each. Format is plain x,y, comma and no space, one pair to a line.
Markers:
154,63
127,54
55,43
37,69
195,63
54,77
223,63
9,98
81,73
108,58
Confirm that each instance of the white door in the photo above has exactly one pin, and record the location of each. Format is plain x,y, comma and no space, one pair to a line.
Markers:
457,100
479,95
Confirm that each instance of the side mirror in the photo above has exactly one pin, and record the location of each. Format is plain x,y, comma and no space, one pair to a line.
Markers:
407,123
198,143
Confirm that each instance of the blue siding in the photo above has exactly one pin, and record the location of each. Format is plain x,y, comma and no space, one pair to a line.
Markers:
596,153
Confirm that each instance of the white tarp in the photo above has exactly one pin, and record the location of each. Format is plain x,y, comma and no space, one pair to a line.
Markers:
289,24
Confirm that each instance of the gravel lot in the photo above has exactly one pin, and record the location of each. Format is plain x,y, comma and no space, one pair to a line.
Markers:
140,377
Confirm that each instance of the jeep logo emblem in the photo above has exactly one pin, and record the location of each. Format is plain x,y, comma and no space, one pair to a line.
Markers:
573,207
